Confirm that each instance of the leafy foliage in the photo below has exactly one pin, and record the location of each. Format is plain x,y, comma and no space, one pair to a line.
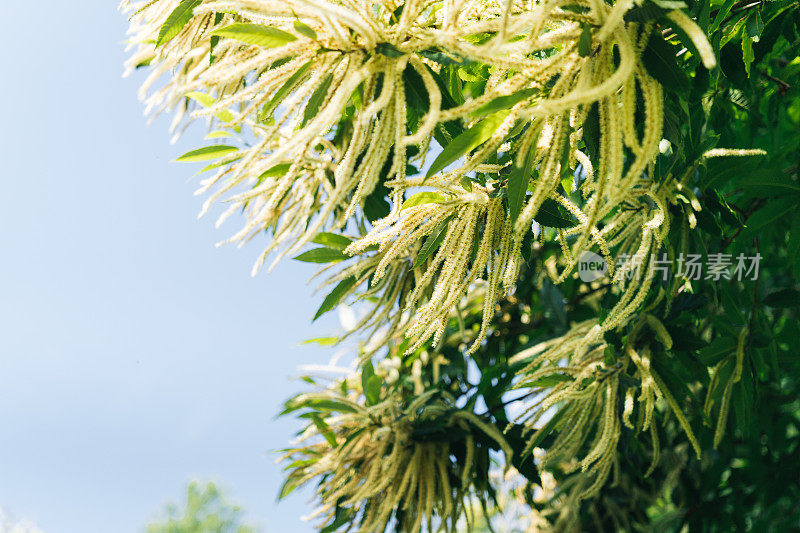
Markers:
205,511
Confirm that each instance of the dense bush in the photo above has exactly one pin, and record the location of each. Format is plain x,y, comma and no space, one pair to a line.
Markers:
459,166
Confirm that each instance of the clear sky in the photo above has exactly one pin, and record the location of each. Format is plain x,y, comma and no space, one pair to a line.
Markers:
134,355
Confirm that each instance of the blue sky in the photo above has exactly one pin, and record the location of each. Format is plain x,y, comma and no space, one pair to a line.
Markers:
134,355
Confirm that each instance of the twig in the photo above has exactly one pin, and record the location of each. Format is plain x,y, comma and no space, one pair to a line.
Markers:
752,210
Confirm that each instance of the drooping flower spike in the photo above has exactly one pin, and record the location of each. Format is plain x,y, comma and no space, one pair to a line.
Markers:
384,456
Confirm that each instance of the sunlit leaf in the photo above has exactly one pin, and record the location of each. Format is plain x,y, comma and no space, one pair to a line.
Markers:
332,240
467,141
502,103
335,296
316,99
177,19
423,198
322,255
256,34
660,61
305,29
553,215
433,241
207,153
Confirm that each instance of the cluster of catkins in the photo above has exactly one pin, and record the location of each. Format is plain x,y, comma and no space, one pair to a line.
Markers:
283,75
373,463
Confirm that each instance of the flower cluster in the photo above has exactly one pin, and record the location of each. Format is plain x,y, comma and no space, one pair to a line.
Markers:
582,386
417,460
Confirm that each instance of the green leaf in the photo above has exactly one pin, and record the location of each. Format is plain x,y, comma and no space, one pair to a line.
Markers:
769,214
716,203
340,518
550,380
553,215
609,356
591,132
585,41
433,241
731,303
647,10
455,85
376,206
219,134
783,298
305,29
743,402
328,405
207,153
553,303
725,168
755,26
516,436
322,341
256,34
747,52
214,40
367,371
322,255
373,390
467,141
732,65
444,58
388,50
793,244
207,100
324,429
291,483
370,383
566,172
518,186
717,350
273,172
546,430
502,103
417,98
284,90
203,99
420,198
722,14
771,185
335,296
316,99
660,61
332,240
176,20
219,164
145,62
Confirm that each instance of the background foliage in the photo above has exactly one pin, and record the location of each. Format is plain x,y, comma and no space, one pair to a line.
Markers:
205,511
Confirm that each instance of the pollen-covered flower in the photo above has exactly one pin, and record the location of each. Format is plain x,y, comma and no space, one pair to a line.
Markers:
582,386
379,457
